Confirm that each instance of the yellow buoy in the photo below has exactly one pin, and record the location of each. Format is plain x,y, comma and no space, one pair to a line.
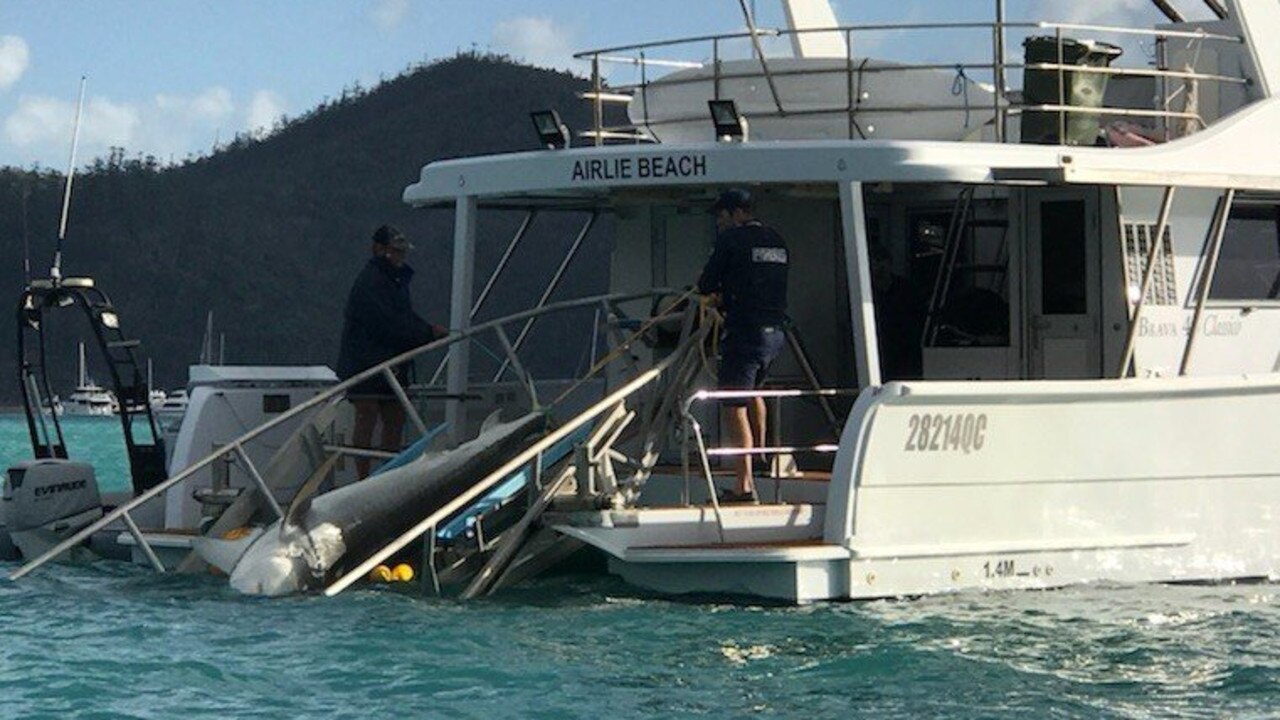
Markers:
382,573
402,573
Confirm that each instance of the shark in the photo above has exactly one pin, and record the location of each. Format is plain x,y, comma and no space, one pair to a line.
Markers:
321,537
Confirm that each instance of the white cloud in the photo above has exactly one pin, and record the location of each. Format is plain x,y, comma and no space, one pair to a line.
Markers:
264,109
212,105
14,58
168,126
49,122
536,40
389,14
1119,12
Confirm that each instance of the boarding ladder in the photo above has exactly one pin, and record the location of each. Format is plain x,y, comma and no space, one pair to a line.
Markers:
961,261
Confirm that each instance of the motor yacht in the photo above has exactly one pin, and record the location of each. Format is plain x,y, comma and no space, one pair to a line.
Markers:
1034,336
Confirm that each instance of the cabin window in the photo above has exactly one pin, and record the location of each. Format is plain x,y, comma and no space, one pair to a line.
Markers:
1249,263
1137,248
1062,258
965,262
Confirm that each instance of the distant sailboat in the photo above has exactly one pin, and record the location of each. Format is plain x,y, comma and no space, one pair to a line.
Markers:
89,398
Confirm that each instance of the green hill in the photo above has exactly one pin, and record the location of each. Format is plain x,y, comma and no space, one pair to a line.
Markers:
268,233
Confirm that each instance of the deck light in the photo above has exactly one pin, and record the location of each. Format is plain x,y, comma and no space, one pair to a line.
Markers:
552,133
730,125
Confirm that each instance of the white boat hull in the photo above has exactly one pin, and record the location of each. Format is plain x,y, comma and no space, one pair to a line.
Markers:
74,410
1048,484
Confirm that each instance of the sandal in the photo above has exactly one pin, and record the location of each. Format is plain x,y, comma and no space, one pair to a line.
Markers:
731,497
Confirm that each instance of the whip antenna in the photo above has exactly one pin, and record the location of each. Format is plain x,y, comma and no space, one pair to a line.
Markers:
26,241
56,271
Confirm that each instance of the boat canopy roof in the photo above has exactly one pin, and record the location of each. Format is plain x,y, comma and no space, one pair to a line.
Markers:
220,374
1241,152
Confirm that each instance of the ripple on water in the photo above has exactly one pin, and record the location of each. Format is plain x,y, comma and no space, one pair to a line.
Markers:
117,640
109,640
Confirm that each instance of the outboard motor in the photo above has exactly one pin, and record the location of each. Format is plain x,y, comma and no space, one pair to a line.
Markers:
46,501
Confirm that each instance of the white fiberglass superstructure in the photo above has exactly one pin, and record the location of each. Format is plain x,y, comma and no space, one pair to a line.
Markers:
1058,307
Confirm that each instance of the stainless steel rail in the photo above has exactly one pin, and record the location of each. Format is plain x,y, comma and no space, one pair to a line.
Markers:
705,453
998,66
331,395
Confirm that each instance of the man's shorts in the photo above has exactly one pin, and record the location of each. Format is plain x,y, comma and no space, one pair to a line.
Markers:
745,357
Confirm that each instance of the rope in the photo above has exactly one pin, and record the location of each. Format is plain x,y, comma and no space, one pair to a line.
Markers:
960,86
710,318
857,99
624,346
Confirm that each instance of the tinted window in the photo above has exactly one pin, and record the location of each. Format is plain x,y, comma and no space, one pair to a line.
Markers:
1249,264
1062,258
275,403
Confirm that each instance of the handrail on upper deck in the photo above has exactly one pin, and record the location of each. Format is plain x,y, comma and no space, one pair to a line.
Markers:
888,27
999,66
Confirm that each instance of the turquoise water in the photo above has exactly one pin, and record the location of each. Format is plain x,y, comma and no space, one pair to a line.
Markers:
95,440
116,641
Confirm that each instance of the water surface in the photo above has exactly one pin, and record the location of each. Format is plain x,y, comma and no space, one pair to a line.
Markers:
108,640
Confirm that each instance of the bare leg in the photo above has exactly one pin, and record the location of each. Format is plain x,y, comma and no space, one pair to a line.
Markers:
759,423
392,426
362,433
739,422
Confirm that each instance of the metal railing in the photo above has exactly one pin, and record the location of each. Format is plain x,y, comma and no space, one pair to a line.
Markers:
997,67
332,396
704,453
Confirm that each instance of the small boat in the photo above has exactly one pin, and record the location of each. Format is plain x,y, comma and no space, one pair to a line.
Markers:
89,399
54,406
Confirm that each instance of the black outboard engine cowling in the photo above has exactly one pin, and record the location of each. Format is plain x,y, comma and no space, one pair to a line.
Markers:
46,501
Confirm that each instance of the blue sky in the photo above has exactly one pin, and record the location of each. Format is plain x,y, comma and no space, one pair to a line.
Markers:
169,78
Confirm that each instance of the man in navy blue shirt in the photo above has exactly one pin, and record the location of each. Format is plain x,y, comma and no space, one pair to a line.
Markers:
378,324
748,272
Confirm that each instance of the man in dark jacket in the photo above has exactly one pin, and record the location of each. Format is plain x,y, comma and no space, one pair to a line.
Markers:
378,324
748,271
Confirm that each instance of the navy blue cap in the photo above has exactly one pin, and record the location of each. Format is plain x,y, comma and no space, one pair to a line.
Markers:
732,199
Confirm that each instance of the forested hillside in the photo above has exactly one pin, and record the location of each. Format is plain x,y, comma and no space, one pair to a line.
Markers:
268,233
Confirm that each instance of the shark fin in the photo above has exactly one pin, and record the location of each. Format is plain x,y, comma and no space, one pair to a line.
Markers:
297,510
492,421
301,502
224,554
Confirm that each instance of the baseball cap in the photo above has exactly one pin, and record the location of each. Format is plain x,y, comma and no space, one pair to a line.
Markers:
392,238
732,199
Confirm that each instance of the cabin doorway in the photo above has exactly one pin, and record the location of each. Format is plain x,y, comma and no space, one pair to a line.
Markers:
1064,303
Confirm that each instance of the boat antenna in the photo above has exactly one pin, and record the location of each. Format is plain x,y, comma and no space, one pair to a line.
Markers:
26,240
206,343
56,271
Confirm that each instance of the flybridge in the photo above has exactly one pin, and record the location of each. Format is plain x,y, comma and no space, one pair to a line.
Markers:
825,89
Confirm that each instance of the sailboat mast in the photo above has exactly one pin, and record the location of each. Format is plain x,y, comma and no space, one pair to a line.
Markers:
206,346
56,271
